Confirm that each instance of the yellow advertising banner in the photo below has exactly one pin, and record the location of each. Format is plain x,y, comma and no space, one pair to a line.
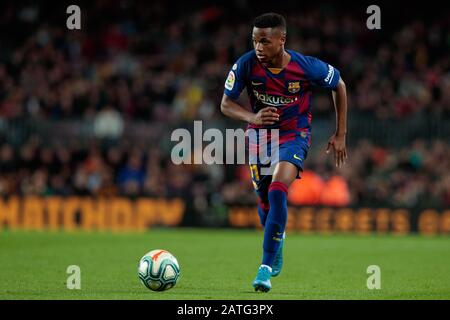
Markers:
72,213
124,214
348,220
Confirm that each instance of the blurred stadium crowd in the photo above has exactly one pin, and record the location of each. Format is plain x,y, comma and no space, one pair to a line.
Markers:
414,175
139,61
173,67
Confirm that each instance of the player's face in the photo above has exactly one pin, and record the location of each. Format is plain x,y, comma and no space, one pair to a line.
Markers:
268,43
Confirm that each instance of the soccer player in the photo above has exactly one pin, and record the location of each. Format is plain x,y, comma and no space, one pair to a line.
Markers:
279,84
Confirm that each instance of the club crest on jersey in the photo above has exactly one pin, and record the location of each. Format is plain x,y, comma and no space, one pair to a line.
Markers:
294,87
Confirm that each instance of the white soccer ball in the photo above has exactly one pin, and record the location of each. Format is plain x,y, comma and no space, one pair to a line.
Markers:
159,270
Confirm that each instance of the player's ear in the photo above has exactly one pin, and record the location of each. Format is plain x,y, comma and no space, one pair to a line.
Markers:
282,37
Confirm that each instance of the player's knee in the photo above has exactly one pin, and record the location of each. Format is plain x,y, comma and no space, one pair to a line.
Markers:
285,173
278,185
284,182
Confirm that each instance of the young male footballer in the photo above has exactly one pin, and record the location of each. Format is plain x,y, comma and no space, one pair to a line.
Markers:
279,83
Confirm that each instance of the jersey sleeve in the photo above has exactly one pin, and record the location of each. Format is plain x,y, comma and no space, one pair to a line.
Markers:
321,73
237,77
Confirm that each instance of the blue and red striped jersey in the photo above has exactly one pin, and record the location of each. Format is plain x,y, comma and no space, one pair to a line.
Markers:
288,90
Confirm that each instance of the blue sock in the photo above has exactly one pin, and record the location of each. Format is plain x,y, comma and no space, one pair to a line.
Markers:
263,211
276,221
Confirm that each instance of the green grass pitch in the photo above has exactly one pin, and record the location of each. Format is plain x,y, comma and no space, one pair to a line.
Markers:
221,264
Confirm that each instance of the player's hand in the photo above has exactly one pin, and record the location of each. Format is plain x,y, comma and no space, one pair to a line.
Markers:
266,116
337,142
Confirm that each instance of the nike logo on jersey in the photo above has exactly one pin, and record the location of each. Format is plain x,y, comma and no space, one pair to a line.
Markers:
297,157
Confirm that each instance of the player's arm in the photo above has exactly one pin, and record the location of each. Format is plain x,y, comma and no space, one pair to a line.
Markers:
234,85
326,76
230,108
337,141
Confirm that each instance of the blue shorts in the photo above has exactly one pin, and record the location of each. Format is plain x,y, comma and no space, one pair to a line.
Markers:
294,151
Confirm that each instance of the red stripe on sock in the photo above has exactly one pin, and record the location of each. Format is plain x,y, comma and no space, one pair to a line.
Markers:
264,205
276,185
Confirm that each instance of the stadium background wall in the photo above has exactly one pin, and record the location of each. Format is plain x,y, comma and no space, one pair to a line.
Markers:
124,214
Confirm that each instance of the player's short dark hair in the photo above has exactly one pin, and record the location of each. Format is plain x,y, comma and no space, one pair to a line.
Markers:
270,20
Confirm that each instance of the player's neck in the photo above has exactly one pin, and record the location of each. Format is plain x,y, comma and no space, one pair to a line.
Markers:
280,61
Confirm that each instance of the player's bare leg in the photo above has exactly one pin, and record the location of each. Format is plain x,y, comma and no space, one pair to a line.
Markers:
285,172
